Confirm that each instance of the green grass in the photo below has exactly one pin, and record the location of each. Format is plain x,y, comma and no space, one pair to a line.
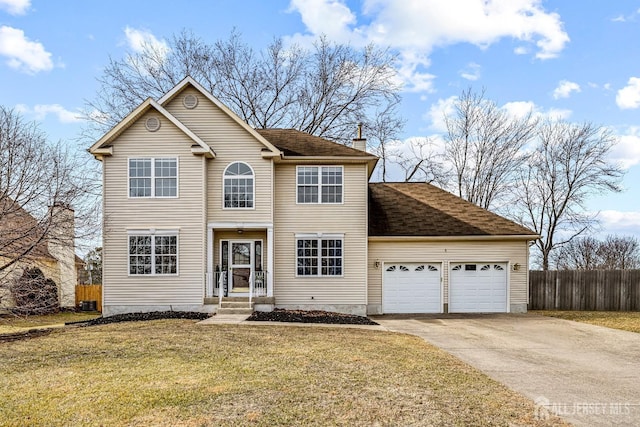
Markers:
10,324
174,372
625,320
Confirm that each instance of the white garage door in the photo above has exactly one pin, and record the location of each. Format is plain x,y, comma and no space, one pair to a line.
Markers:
478,288
411,288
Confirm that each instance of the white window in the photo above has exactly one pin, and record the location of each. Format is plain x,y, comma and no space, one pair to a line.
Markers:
153,254
238,186
319,256
319,184
153,177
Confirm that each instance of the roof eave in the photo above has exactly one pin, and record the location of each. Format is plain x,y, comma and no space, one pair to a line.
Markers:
189,80
501,237
319,159
102,144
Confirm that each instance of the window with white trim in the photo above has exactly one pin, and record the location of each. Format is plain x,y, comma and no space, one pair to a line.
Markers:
153,254
319,256
319,184
153,177
238,186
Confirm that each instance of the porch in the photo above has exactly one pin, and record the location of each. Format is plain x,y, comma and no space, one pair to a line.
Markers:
239,263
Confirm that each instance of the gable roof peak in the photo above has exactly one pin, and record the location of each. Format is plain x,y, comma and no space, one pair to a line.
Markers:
190,81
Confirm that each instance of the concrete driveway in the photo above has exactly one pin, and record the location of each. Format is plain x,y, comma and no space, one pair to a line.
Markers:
589,375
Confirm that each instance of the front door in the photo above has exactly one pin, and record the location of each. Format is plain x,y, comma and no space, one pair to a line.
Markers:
241,257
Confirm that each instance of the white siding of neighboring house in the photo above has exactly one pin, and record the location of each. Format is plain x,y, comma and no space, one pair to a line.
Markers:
185,213
231,143
447,252
347,293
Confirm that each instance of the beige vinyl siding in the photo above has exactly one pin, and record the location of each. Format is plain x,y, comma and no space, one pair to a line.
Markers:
231,143
448,252
349,218
184,214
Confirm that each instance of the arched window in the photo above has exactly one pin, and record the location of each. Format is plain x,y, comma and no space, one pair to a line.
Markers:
238,186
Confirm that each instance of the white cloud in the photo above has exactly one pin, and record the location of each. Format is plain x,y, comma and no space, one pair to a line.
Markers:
438,111
138,40
522,108
471,72
15,7
23,54
619,18
629,96
445,107
41,111
565,88
627,151
620,222
419,27
521,50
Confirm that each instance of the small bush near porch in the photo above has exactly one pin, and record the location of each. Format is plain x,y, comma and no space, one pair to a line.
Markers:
174,372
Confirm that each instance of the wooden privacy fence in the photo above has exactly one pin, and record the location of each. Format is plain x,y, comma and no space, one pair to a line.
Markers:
89,293
606,290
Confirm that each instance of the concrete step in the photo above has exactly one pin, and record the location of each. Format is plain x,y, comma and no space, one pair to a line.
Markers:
224,310
235,304
233,298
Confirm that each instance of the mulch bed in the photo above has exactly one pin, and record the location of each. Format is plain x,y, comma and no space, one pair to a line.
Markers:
303,316
277,315
136,317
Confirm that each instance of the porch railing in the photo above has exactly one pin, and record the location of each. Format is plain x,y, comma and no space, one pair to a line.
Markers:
217,284
257,285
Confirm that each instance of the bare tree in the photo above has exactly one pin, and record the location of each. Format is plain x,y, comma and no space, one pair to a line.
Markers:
484,145
381,132
35,178
619,253
324,90
581,253
588,253
418,161
568,165
93,262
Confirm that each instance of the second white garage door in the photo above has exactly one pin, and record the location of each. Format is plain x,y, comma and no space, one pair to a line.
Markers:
478,288
411,288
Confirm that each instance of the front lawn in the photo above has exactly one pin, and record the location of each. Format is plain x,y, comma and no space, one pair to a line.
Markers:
625,320
175,372
10,324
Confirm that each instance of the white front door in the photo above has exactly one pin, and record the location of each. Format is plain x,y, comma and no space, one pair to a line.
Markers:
240,265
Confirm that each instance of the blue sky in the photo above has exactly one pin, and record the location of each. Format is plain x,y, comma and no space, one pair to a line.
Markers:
577,59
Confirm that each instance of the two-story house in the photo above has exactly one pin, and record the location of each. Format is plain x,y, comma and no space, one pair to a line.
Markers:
199,205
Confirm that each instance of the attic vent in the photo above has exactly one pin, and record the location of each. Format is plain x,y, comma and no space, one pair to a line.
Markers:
152,124
190,101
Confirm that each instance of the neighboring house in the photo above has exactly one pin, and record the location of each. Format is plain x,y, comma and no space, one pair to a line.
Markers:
198,203
51,251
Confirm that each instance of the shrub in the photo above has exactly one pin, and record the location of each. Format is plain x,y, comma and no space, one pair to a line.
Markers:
34,294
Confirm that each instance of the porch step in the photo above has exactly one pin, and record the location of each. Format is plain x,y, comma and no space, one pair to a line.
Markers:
226,310
235,304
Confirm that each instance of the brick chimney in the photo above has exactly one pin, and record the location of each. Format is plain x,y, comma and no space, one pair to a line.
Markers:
61,245
360,143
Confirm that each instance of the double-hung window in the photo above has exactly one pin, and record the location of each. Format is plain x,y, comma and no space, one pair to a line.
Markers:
149,177
153,254
319,256
319,184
